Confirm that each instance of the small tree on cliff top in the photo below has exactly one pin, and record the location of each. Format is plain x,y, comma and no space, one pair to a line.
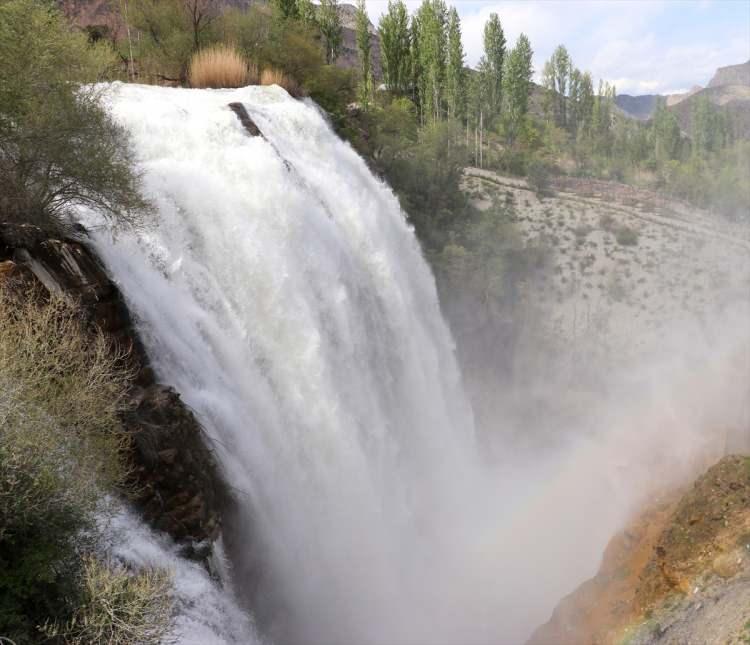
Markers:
58,146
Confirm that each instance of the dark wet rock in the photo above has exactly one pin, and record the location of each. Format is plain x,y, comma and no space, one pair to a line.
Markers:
176,476
176,479
245,119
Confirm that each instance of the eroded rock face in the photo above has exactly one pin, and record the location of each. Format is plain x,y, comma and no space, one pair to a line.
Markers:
174,471
178,485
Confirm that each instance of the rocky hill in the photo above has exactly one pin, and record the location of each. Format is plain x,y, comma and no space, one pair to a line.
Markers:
731,75
733,99
678,573
729,88
640,107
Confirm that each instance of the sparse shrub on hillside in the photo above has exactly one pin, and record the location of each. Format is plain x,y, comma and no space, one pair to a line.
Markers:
118,607
538,176
60,447
58,147
221,66
606,222
626,236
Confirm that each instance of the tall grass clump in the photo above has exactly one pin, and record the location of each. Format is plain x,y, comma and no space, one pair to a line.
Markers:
220,66
118,607
274,76
61,451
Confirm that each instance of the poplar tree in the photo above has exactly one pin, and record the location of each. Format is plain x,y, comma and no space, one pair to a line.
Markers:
491,65
307,13
454,69
364,47
286,8
556,77
430,38
329,22
517,80
395,45
666,132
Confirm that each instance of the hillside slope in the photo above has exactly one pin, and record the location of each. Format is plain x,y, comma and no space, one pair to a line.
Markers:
678,573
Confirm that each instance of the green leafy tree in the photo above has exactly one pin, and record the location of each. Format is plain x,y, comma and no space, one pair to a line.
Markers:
556,81
666,133
455,80
710,131
395,47
286,8
429,26
58,146
329,22
517,79
364,47
491,66
307,13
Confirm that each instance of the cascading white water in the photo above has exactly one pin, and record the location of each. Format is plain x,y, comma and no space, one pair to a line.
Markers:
280,290
282,293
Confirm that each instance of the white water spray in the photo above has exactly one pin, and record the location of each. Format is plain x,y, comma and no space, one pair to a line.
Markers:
284,296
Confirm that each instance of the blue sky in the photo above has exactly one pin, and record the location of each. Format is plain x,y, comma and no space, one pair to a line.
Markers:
643,46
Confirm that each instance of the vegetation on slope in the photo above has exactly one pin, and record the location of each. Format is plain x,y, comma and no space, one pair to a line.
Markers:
61,452
678,572
58,146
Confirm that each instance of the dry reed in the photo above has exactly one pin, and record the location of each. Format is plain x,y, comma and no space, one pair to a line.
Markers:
221,66
273,76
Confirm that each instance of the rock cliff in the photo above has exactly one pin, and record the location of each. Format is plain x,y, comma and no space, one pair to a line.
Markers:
678,573
177,482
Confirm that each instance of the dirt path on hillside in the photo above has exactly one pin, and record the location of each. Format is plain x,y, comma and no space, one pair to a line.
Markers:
675,220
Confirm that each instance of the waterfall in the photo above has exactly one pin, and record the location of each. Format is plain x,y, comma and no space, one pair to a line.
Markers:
281,291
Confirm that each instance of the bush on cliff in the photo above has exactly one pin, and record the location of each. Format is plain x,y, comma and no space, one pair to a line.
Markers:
58,147
60,450
118,607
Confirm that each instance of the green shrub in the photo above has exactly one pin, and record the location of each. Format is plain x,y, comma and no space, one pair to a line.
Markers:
58,147
60,447
538,176
626,236
118,607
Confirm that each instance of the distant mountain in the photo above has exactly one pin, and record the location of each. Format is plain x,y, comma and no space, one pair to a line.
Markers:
640,107
731,75
729,89
733,99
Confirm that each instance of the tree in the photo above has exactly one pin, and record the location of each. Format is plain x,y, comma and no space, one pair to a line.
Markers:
286,8
709,127
395,46
307,13
556,76
666,132
454,69
329,22
517,79
363,47
430,48
58,147
201,14
491,65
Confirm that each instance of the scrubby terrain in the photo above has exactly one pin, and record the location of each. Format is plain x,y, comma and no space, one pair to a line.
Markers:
625,263
678,574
